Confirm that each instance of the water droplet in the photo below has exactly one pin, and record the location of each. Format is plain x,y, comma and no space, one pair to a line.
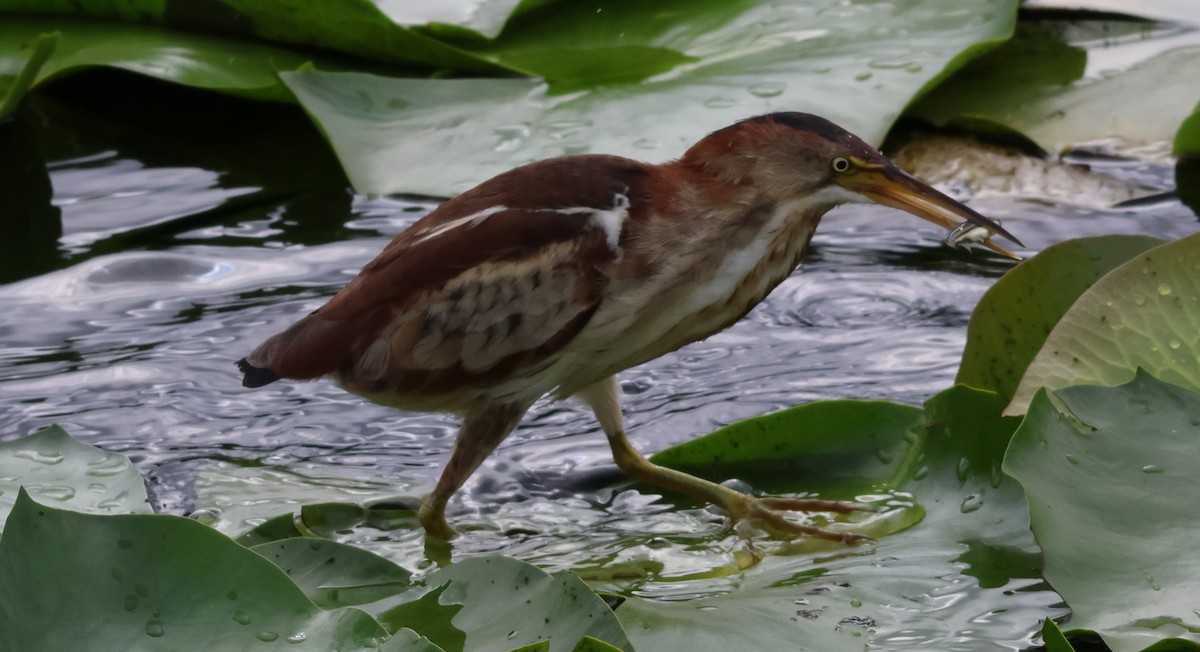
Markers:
964,465
241,617
889,64
54,492
1072,459
885,456
1139,299
124,544
1153,585
298,637
267,636
109,466
856,603
719,102
971,503
921,473
512,634
913,67
41,457
155,628
768,89
1164,289
1174,343
646,143
1152,468
863,77
510,137
396,103
131,602
707,607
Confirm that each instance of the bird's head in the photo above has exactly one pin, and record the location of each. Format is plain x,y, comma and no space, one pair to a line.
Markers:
807,160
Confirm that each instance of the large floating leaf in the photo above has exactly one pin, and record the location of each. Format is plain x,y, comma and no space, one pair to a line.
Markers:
210,62
1138,84
334,574
63,471
357,27
151,582
1187,141
498,603
1142,314
1010,323
1110,474
885,594
857,64
1183,11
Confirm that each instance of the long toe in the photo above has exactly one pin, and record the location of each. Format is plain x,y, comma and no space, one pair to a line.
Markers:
769,512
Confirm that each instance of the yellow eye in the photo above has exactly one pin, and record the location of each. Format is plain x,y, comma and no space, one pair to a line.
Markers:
841,164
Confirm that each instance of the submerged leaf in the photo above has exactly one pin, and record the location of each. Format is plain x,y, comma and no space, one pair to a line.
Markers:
1110,475
1143,314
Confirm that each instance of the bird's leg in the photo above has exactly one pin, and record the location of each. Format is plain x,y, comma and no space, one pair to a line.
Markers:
482,431
603,398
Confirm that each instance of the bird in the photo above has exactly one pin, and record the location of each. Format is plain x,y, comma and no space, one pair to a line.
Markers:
553,277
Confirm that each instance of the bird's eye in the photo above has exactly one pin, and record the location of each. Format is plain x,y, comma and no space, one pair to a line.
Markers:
841,164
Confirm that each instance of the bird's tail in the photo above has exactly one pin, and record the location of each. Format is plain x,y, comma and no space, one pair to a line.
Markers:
255,376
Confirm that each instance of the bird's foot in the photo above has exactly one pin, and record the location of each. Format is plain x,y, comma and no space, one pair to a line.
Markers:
768,511
433,519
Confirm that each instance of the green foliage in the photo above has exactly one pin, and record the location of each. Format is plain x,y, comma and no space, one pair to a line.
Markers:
1012,319
439,137
148,581
1187,140
60,470
1035,85
1109,473
1143,314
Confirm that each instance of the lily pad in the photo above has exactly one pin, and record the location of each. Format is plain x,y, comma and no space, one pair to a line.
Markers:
361,28
498,603
1137,85
1183,11
886,594
1142,314
153,582
65,472
1109,473
1012,319
334,574
216,63
1187,140
857,64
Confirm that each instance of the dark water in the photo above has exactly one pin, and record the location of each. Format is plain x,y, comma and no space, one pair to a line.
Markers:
191,229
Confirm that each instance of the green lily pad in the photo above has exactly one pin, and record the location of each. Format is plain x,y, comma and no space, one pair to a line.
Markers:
499,603
1142,314
829,443
1012,319
334,574
1187,140
856,65
1109,473
1183,11
63,471
881,595
153,582
1137,85
211,62
12,93
406,640
362,28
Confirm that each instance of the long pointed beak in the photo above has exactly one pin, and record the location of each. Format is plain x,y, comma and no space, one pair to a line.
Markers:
889,185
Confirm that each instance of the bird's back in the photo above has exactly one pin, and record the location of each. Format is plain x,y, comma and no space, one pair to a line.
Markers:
488,286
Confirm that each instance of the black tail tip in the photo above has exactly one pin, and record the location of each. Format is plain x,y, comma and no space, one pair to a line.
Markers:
255,376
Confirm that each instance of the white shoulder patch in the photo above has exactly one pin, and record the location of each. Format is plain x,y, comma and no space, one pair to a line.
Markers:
610,221
469,220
